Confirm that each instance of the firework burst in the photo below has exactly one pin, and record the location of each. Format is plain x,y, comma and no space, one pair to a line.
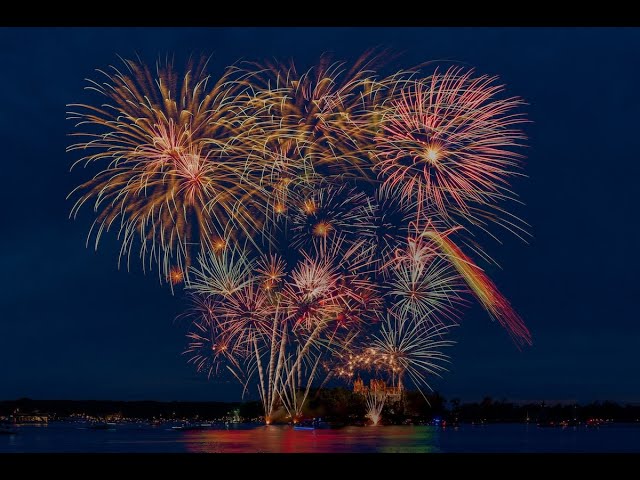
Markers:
271,270
324,113
222,273
172,163
312,295
176,275
423,284
318,208
206,347
246,314
447,142
411,349
329,213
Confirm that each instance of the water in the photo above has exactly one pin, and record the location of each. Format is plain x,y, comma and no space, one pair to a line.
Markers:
64,437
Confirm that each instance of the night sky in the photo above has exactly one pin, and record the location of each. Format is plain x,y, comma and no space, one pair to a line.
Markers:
73,326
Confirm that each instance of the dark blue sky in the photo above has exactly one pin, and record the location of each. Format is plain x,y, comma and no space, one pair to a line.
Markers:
73,326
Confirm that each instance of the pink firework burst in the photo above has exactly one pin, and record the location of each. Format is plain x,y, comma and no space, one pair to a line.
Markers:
313,294
245,315
207,348
446,142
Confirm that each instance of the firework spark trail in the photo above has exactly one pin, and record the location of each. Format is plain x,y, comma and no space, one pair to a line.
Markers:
321,299
311,350
294,392
487,293
251,349
375,400
270,356
276,348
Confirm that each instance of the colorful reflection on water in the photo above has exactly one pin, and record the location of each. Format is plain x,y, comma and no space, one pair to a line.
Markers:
284,439
141,438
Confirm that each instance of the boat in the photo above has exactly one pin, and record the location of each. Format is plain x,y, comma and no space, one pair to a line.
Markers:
306,425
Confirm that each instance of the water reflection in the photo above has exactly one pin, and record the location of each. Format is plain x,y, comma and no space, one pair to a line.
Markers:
70,437
284,439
